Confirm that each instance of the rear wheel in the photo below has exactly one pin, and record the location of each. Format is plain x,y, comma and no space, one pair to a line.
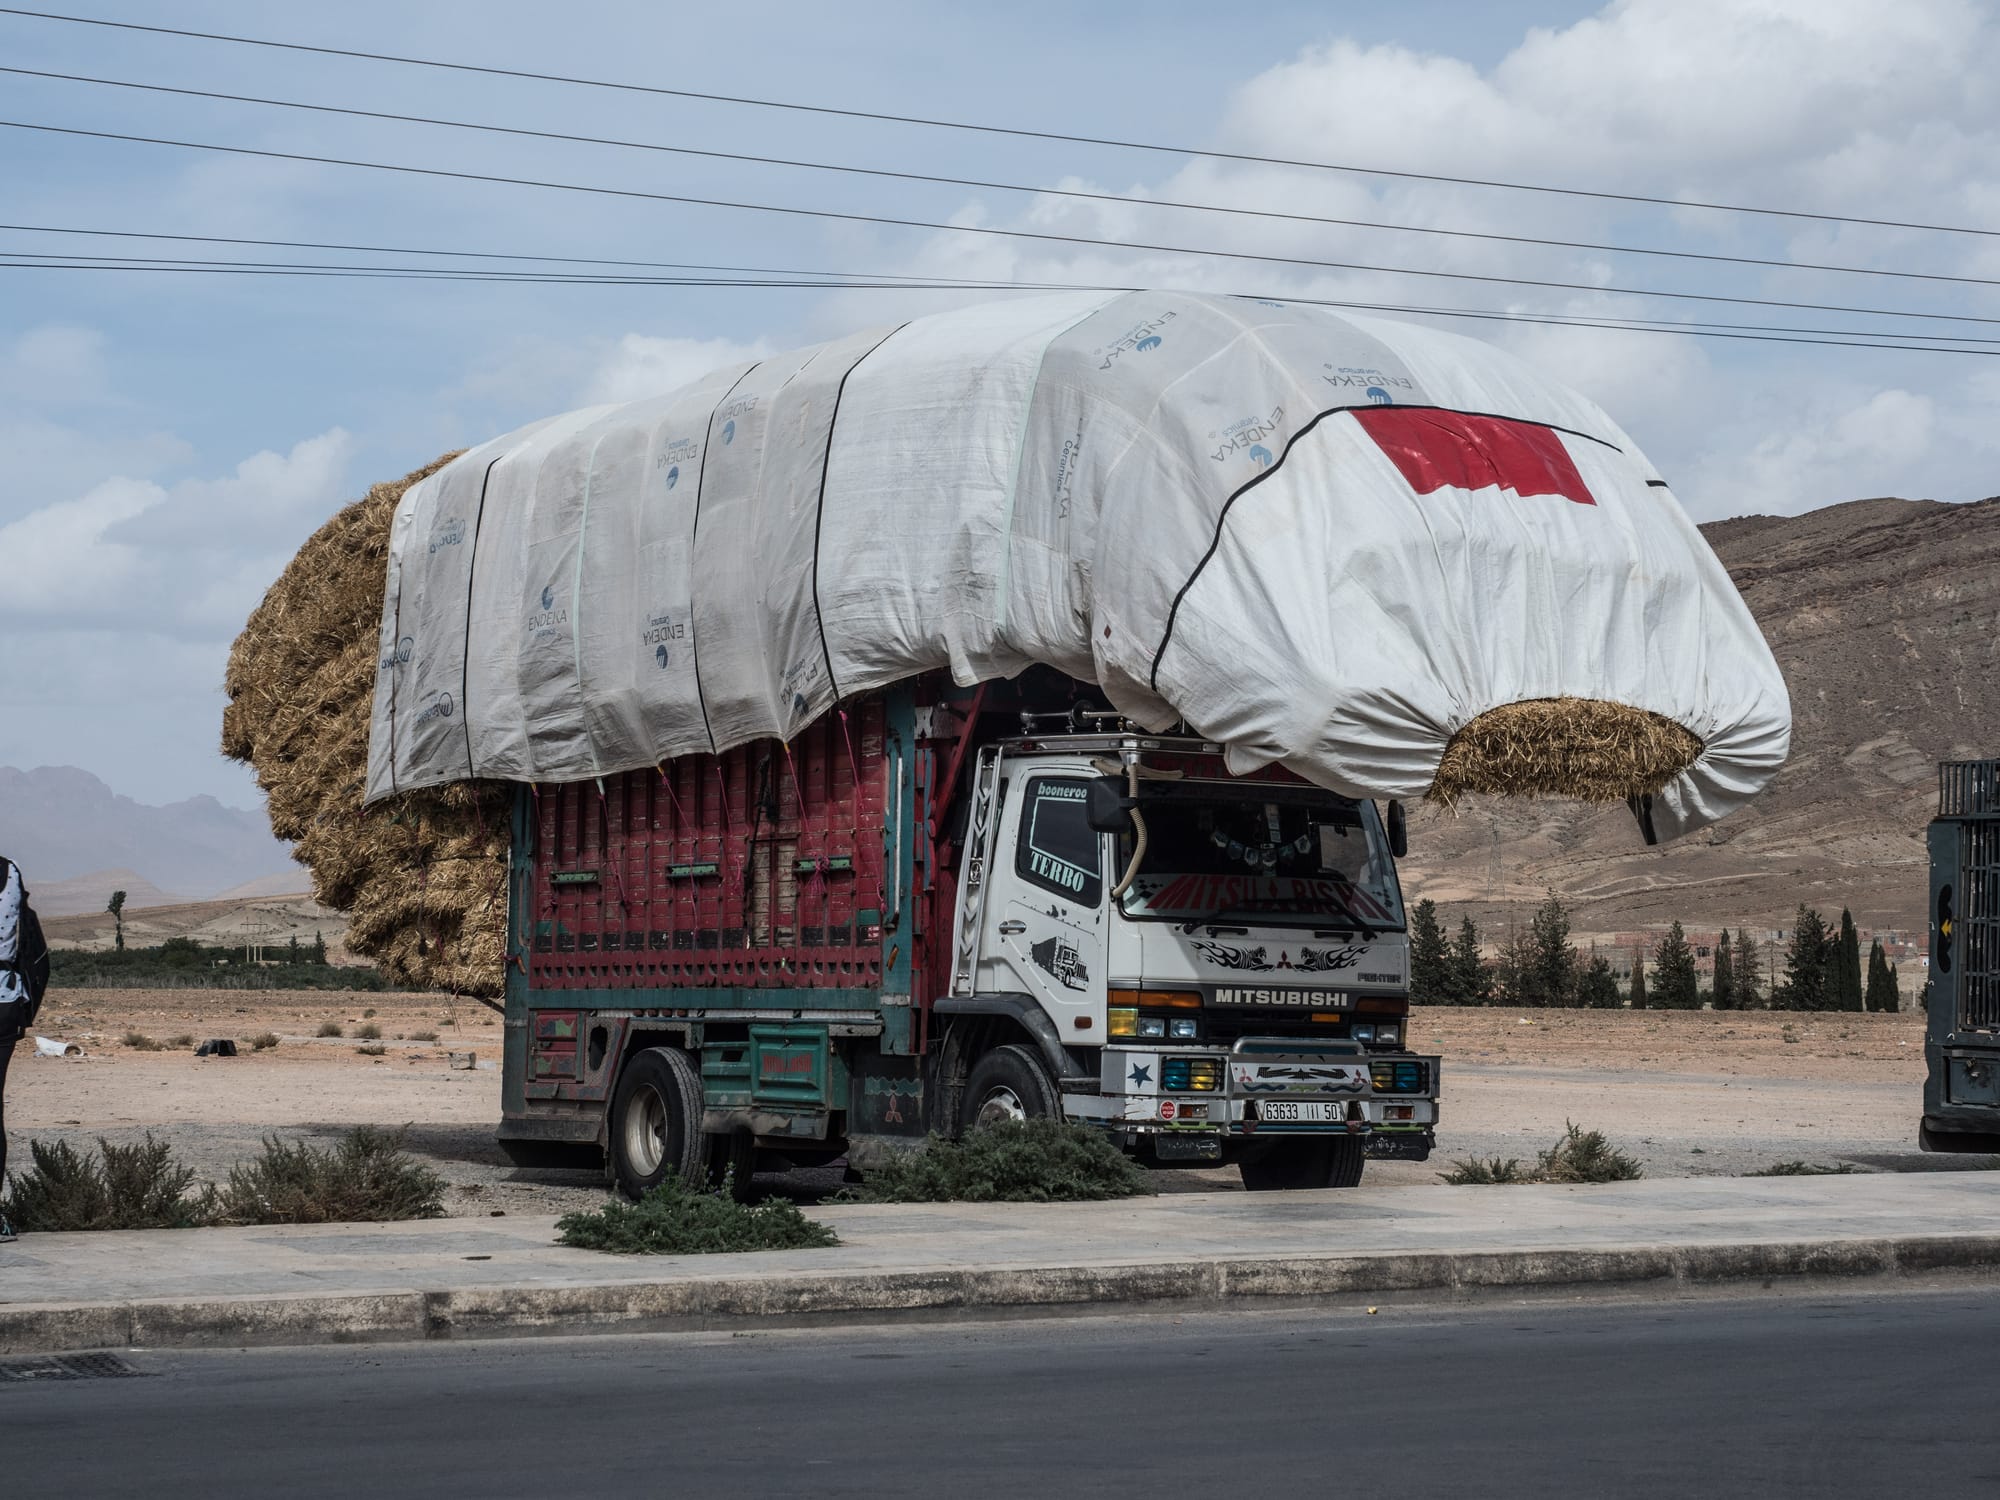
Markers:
656,1122
1008,1083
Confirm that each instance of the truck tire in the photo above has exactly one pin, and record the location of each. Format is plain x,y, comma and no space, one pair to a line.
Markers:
1287,1165
1349,1157
1008,1083
656,1122
1307,1162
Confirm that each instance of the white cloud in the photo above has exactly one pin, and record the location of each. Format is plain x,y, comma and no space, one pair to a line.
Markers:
641,365
190,558
1853,451
56,365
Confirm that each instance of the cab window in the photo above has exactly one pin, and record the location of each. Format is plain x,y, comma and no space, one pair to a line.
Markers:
1058,849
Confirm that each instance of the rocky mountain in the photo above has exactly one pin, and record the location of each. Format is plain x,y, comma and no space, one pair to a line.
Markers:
1885,616
65,826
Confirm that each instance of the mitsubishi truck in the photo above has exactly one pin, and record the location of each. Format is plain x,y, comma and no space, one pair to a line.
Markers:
940,907
1962,997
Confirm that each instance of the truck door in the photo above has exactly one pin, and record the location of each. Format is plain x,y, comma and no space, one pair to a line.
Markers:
1045,911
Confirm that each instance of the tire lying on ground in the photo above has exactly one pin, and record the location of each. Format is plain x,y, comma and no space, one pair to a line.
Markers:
421,875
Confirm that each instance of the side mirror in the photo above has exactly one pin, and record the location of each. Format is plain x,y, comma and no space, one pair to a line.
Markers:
1399,831
1106,807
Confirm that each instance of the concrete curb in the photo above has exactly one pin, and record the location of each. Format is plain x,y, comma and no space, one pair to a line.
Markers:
874,1297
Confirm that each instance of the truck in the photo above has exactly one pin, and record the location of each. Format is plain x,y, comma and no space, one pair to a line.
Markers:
1962,995
940,907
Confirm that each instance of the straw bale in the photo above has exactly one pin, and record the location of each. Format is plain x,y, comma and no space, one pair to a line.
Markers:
1564,747
422,875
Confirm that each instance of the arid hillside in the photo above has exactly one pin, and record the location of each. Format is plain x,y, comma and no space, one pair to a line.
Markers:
1885,616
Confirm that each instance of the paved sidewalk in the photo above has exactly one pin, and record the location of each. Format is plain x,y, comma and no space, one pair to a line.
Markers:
472,1277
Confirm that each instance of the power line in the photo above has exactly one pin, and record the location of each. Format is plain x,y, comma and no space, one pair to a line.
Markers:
1002,130
1043,236
984,184
12,260
891,279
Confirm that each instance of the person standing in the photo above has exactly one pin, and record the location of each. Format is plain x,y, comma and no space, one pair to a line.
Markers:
24,975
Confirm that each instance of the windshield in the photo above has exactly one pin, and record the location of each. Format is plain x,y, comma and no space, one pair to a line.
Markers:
1263,855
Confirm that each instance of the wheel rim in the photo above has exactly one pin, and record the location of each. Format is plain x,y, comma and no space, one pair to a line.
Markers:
1000,1103
646,1130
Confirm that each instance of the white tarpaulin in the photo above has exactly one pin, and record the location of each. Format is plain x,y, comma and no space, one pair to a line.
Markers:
1325,540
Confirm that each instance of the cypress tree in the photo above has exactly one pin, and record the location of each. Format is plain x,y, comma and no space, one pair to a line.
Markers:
1638,991
1429,983
1552,964
1881,996
1471,974
1595,987
1724,989
1746,973
1848,964
1805,963
1677,987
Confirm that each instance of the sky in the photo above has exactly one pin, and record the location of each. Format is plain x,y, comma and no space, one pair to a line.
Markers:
170,437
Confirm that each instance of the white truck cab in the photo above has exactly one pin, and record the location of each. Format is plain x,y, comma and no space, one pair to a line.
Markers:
1223,958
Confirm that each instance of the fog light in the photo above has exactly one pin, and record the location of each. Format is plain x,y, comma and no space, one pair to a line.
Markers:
1123,1022
1152,1026
1201,1075
1181,1028
1364,1033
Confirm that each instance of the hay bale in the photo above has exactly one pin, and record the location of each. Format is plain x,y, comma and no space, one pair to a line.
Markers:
1563,747
423,874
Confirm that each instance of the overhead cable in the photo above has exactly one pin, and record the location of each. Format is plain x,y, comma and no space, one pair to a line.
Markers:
1041,236
988,185
1019,132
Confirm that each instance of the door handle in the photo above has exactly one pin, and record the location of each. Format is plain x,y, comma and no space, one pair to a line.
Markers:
1011,928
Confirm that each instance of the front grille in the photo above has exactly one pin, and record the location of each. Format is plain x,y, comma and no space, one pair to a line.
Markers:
1969,789
1979,923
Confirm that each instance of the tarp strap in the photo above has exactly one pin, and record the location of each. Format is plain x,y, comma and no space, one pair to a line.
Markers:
576,607
819,503
465,656
694,572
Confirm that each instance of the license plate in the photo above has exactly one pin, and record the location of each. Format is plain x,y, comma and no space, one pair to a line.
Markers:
1301,1110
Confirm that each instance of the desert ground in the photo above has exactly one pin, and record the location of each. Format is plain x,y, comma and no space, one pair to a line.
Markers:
1687,1093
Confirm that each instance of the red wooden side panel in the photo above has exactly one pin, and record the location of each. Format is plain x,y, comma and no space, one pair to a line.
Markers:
762,867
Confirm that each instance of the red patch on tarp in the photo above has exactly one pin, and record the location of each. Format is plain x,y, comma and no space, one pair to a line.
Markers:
1435,449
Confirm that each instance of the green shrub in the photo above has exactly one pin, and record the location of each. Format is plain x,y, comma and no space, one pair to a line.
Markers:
117,1187
1477,1173
370,1032
674,1219
1585,1156
368,1178
1580,1156
328,1028
1028,1161
1804,1169
264,1041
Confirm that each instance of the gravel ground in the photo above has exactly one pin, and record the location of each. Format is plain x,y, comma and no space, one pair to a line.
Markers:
1688,1094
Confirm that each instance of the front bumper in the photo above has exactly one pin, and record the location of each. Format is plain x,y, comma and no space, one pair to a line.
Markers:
1136,1096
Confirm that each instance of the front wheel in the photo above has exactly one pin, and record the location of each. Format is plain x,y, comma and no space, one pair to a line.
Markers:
1306,1162
656,1122
1008,1083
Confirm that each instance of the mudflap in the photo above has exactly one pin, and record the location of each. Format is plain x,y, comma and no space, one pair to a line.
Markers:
1401,1145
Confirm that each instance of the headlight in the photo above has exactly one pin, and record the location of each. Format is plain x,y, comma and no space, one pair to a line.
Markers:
1181,1028
1388,1033
1364,1033
1150,1026
1123,1023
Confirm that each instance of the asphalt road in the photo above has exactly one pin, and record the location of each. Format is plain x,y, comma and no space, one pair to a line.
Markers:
1779,1395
